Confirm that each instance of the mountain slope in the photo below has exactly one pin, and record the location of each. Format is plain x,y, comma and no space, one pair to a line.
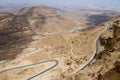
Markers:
15,28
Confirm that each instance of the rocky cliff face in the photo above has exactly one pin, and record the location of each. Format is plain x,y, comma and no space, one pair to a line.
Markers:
111,38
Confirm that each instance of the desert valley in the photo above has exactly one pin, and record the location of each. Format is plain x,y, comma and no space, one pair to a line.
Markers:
45,43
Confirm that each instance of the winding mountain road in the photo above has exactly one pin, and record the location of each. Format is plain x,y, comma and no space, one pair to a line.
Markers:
30,65
95,51
14,68
56,61
94,54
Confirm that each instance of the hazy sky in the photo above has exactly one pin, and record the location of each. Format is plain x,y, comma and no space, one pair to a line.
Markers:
109,4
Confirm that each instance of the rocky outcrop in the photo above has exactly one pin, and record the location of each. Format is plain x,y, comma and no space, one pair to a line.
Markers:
112,74
110,40
111,43
116,35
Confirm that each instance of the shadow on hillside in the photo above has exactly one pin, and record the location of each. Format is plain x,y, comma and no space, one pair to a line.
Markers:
13,39
10,46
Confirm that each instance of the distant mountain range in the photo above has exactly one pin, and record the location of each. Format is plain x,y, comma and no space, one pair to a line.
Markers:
13,6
